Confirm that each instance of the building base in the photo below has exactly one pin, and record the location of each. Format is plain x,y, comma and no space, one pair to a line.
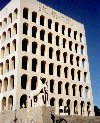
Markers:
42,115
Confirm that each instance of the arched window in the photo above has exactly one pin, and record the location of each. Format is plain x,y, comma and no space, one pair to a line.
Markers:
59,87
85,76
82,49
60,102
76,48
88,108
13,62
42,20
8,49
87,91
83,63
68,106
34,47
1,68
56,26
24,62
67,88
34,83
59,70
57,40
25,13
15,29
75,107
69,32
65,57
50,52
80,90
42,35
11,82
79,75
49,23
2,51
63,29
25,28
80,37
34,31
10,102
71,59
52,86
72,73
58,55
82,107
4,104
24,45
9,33
75,35
66,72
70,45
4,36
15,13
14,45
34,65
74,89
7,65
34,16
52,101
23,81
50,38
42,50
43,63
64,43
23,101
78,61
4,22
51,69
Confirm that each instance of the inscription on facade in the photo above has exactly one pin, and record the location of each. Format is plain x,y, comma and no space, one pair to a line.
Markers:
44,9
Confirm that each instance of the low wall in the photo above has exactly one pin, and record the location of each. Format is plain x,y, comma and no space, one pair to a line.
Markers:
42,115
30,115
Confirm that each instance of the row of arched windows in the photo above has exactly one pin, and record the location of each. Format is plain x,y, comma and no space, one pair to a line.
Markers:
11,17
7,66
73,107
7,84
52,25
9,33
54,69
68,88
6,106
8,49
78,108
58,55
25,84
54,40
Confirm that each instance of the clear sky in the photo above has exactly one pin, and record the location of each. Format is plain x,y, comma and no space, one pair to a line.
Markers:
88,13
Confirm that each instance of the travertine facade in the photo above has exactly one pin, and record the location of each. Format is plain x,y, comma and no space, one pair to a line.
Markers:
43,60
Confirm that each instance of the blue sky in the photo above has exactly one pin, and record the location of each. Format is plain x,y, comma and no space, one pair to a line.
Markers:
88,13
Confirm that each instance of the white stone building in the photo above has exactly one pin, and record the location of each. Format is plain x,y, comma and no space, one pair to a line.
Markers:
43,60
